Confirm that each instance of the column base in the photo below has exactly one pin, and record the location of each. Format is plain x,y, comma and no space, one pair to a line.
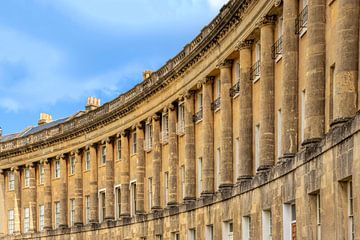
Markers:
263,168
206,194
243,179
78,224
109,219
189,199
310,141
339,121
285,157
225,187
63,226
172,204
155,208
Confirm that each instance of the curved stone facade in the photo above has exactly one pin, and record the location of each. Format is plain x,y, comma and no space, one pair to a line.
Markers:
250,132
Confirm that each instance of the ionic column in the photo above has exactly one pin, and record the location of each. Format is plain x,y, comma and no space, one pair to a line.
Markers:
207,138
245,113
289,81
347,60
63,190
190,174
32,198
267,140
156,151
47,195
94,218
315,73
226,146
17,200
109,195
140,169
173,156
2,202
125,174
78,221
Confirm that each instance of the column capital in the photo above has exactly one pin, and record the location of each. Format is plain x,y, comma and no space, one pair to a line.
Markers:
266,20
124,133
227,63
138,125
155,117
189,94
30,165
208,79
60,156
181,97
44,161
109,139
278,3
171,107
245,44
15,169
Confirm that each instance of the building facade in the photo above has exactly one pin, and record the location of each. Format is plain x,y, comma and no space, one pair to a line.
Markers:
250,132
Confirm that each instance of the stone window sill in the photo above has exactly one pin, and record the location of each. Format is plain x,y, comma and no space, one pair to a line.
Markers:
199,121
278,58
256,79
302,32
236,95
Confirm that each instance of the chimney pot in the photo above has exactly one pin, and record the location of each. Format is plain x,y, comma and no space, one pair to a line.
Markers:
44,118
92,103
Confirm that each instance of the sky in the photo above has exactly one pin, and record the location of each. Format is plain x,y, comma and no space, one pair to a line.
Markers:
56,53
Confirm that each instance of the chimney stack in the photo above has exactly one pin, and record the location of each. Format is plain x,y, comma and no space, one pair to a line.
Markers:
44,118
92,103
146,74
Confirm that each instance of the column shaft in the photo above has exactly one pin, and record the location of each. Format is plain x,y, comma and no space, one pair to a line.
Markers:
32,199
267,140
207,138
315,73
64,194
17,201
125,175
47,196
94,218
109,201
245,113
140,169
226,146
156,151
78,221
190,189
2,202
289,81
173,156
346,66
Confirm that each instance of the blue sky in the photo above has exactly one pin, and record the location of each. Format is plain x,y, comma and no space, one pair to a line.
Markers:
55,53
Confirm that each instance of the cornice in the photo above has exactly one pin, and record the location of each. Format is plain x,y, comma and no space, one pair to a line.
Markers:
230,15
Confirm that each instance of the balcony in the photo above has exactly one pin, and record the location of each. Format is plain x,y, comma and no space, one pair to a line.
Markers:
180,128
277,49
255,71
215,106
301,22
234,90
198,116
164,137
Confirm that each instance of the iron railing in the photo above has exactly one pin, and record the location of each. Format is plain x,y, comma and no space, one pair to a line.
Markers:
216,104
234,90
301,20
198,116
255,70
277,48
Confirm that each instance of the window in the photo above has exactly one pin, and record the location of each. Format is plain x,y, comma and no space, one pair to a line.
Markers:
158,237
117,202
26,220
11,177
218,89
103,154
27,177
200,101
199,176
134,142
209,232
257,51
257,146
11,221
148,136
305,3
87,160
237,154
175,236
227,230
237,71
72,211
150,193
279,134
246,228
351,211
133,198
166,181
57,168
332,93
41,217
181,119
302,116
267,225
57,214
165,128
191,234
72,165
87,209
118,149
289,221
183,180
318,217
41,174
217,166
101,205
